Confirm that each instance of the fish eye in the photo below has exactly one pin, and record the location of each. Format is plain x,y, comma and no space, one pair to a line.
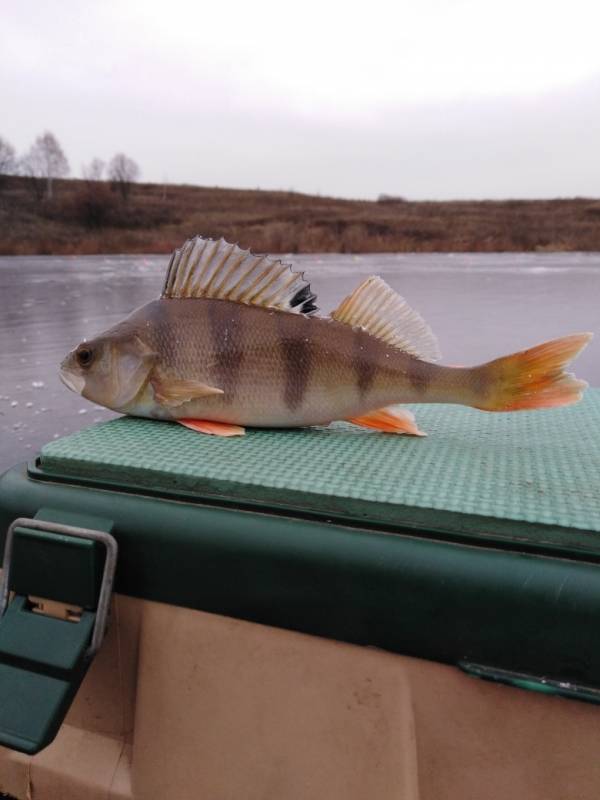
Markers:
84,356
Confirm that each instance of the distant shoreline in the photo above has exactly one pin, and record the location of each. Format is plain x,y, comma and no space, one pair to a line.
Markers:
89,218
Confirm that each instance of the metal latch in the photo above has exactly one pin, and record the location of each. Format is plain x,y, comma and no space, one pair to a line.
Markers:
54,601
52,608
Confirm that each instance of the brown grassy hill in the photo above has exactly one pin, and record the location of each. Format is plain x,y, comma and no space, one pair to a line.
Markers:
91,218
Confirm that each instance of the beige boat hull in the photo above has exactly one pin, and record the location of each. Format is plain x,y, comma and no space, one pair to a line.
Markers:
185,705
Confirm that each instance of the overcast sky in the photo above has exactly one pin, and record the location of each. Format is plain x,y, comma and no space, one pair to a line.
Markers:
425,99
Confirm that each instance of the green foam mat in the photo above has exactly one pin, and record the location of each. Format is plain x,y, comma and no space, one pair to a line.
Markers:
537,467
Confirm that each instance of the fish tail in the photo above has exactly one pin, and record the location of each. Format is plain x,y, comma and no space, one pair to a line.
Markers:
533,378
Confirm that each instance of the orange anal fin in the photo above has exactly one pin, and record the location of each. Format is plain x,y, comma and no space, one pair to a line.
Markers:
212,428
397,420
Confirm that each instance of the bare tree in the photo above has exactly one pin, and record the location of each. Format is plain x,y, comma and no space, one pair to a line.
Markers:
122,172
45,160
7,158
8,163
30,166
94,170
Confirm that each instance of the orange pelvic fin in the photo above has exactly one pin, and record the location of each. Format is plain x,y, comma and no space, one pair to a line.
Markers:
213,428
533,378
396,420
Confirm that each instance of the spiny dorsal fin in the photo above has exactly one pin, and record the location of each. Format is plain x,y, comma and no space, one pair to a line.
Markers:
376,308
217,269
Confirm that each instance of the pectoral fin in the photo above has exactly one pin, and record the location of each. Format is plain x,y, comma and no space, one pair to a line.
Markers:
214,428
172,392
390,420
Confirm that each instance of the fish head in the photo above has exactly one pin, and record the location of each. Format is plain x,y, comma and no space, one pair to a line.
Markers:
109,370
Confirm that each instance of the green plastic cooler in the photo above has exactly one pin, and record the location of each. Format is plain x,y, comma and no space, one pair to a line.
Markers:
306,613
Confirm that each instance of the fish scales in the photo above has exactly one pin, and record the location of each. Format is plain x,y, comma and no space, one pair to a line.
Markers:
274,368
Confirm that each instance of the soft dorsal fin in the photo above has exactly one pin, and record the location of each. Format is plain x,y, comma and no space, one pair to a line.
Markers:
217,269
376,308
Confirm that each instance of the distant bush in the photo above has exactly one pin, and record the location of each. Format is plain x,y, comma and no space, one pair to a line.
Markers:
94,206
390,199
141,216
593,210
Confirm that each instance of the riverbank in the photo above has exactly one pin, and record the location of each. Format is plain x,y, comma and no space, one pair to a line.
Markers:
87,217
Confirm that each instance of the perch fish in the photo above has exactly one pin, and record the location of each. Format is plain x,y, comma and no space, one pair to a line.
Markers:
235,340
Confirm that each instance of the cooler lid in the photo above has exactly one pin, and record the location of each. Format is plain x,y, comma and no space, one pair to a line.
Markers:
528,478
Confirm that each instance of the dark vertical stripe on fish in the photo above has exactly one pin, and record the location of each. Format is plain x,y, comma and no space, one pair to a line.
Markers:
297,358
226,328
419,374
364,360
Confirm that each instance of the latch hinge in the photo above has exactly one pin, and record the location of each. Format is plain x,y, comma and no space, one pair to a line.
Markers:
52,608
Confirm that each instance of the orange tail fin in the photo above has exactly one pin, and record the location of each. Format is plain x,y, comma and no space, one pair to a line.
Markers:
533,378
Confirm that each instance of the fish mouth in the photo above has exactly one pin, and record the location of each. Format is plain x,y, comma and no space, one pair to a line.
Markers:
75,383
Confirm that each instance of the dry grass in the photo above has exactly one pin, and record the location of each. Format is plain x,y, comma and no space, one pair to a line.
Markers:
91,219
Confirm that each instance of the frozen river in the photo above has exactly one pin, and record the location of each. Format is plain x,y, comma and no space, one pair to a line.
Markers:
480,306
